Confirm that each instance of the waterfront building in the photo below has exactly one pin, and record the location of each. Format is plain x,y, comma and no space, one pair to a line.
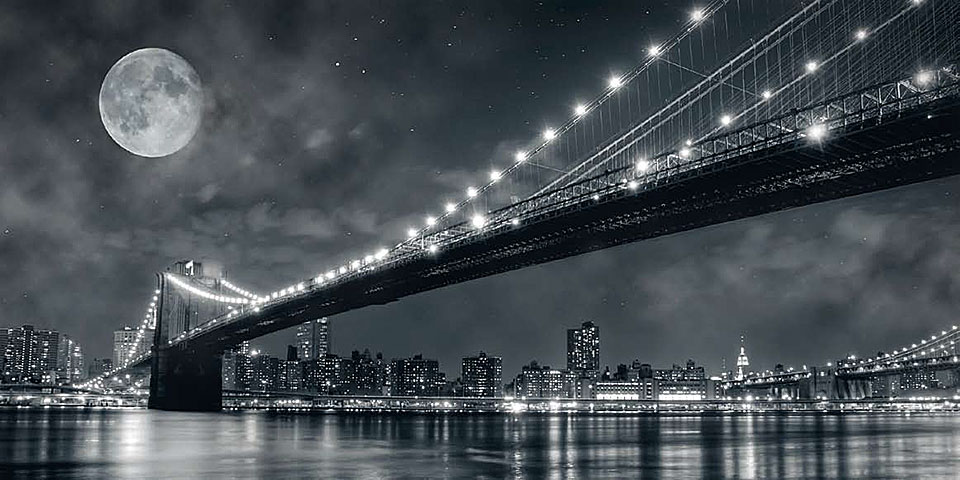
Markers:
323,375
583,348
541,381
266,372
291,376
481,376
617,389
29,354
313,339
417,376
359,375
687,382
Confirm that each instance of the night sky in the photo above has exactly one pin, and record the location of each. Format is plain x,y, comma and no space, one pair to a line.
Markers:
329,127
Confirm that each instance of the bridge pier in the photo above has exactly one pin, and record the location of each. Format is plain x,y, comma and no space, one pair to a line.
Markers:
186,380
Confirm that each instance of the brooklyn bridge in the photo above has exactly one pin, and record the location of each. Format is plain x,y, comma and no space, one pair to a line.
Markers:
748,109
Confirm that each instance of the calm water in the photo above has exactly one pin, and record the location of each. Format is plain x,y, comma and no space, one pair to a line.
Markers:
146,444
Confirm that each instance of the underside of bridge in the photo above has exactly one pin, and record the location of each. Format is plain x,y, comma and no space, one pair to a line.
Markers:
912,146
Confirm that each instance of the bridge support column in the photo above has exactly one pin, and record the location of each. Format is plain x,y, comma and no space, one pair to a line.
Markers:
186,380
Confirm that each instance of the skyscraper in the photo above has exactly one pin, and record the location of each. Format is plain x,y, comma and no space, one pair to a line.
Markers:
123,340
742,360
313,339
482,376
417,376
583,348
30,354
69,360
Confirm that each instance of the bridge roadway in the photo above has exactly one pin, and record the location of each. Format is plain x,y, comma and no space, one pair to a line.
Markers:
907,145
918,145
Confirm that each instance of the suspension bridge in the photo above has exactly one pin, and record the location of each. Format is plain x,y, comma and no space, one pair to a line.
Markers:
753,106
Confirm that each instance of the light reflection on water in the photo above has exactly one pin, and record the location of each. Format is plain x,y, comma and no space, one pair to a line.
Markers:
148,444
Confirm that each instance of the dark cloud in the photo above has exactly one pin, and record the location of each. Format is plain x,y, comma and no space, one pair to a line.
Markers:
331,126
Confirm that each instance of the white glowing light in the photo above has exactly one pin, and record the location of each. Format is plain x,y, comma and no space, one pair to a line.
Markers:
580,110
923,78
520,156
697,15
477,221
203,293
817,132
471,192
431,221
331,275
549,134
411,232
726,120
632,185
684,152
432,249
614,82
811,66
381,254
653,50
494,175
860,35
643,165
450,207
515,222
767,94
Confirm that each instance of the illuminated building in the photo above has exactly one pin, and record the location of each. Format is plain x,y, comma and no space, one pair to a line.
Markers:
583,348
123,341
742,360
359,375
417,376
313,339
99,366
482,376
536,381
681,383
69,360
29,354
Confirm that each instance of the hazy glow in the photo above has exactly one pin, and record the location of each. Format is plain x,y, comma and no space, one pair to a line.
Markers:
653,50
726,120
643,165
767,94
614,82
696,15
431,221
494,175
811,66
817,132
549,134
477,221
450,207
580,110
520,156
471,192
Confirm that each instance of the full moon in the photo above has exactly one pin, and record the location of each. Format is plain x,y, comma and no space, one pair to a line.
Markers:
151,102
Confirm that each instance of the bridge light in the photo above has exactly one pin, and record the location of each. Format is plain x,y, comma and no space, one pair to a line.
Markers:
514,221
726,120
368,259
614,82
684,152
643,165
450,207
766,94
632,185
923,78
331,275
860,35
520,156
471,192
817,132
411,232
696,15
580,110
494,175
811,66
431,221
653,50
381,254
549,134
596,197
477,221
432,249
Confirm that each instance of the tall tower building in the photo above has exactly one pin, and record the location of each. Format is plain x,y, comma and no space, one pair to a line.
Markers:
742,360
70,360
583,348
313,339
30,354
123,340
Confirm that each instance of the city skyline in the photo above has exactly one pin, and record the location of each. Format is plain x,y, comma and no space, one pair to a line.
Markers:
841,276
